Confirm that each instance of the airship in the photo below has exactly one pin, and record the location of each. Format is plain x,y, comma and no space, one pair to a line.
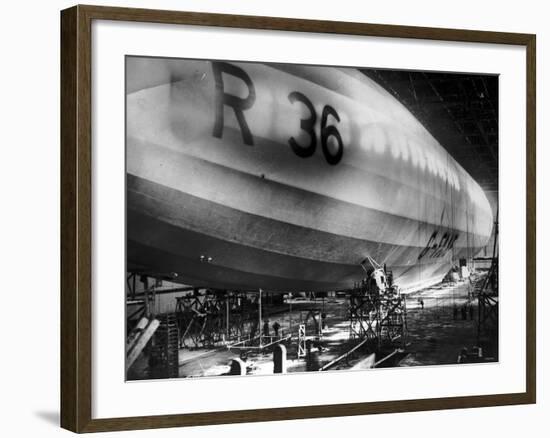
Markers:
283,177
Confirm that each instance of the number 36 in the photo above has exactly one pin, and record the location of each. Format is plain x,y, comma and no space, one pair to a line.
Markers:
308,125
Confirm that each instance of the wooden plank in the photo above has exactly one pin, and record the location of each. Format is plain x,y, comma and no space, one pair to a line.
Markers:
141,342
135,333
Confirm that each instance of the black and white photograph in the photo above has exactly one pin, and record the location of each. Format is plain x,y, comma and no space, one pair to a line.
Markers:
275,219
288,218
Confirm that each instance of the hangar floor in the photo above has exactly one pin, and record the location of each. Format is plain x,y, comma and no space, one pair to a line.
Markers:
442,322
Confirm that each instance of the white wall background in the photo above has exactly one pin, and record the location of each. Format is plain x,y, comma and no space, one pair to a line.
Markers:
29,223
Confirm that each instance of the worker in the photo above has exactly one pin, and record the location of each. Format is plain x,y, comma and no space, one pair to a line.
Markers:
463,356
253,329
276,327
266,327
312,357
421,303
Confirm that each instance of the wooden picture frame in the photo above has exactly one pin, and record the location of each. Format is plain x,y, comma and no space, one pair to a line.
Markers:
76,218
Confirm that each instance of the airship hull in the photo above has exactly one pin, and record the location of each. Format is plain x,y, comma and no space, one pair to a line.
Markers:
245,211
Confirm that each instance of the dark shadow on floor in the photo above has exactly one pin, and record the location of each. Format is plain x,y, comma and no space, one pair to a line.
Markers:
51,417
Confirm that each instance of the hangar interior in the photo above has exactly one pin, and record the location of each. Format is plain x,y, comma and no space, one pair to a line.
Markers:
179,330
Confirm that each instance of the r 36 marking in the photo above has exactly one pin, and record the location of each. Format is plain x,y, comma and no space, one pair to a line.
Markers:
308,126
241,105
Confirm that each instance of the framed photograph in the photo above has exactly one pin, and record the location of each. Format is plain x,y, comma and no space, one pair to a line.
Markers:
268,218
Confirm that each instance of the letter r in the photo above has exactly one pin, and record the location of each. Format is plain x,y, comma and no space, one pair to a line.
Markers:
238,104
